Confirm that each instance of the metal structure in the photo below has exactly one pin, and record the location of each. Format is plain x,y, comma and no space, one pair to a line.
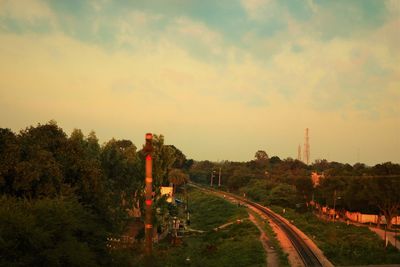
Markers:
148,149
306,150
299,153
219,177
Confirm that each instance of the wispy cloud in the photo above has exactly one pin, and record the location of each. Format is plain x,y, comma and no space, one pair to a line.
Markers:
287,66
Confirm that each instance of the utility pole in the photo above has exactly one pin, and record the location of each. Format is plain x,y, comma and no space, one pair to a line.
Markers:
212,178
334,205
148,149
219,177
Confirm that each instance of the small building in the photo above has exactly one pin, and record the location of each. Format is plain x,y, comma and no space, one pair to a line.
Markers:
316,178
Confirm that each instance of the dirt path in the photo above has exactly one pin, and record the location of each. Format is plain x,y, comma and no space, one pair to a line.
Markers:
390,236
270,253
286,244
229,223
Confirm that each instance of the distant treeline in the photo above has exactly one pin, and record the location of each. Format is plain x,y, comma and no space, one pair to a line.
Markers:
62,196
288,183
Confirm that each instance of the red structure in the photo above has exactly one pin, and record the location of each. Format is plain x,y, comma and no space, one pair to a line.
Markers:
148,149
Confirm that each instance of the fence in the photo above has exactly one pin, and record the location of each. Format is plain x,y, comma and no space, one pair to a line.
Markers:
356,216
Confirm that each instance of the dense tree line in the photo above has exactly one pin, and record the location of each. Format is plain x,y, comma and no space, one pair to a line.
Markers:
62,196
288,183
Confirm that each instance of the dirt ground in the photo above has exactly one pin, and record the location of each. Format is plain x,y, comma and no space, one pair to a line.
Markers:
271,255
286,245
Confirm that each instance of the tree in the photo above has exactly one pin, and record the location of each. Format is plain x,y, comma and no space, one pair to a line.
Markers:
180,158
50,232
384,194
163,160
275,160
261,160
357,198
261,155
283,195
9,158
177,177
327,187
124,171
304,187
239,178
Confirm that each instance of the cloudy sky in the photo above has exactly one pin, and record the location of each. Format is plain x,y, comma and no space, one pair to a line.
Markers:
220,79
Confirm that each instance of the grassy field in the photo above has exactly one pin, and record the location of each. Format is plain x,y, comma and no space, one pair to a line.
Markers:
235,245
343,244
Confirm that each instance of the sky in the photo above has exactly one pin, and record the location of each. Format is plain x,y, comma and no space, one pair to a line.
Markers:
219,79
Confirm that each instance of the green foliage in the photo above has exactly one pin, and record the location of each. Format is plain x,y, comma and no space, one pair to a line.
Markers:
63,195
283,195
304,187
177,177
49,232
257,190
214,211
235,245
344,244
163,160
282,256
384,193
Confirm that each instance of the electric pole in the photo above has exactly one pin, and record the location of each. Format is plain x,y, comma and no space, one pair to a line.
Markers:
334,205
148,149
219,177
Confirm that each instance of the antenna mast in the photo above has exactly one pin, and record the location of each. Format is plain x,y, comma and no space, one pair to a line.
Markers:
299,153
306,151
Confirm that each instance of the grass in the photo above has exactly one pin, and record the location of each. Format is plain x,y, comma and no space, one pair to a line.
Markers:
282,256
209,211
343,244
235,245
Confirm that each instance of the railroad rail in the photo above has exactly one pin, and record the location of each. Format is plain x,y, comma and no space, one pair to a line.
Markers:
305,252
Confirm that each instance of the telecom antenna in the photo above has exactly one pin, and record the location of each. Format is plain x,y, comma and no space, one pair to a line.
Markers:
299,153
306,151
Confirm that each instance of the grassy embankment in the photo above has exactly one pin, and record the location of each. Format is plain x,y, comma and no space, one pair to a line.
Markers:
235,245
343,244
282,256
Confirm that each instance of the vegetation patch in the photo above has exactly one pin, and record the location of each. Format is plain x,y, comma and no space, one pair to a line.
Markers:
235,245
209,211
343,244
282,256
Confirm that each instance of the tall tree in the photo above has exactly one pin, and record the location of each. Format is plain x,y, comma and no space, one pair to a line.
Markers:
177,177
384,193
163,160
9,158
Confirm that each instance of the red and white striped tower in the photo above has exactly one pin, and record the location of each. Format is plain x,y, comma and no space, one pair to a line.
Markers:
148,149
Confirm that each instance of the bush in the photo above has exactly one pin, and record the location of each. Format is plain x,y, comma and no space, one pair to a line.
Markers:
283,195
49,232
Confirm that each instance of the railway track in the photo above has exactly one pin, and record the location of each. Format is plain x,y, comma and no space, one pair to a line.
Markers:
305,252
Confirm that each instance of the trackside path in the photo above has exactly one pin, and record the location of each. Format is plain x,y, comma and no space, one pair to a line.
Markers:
306,249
